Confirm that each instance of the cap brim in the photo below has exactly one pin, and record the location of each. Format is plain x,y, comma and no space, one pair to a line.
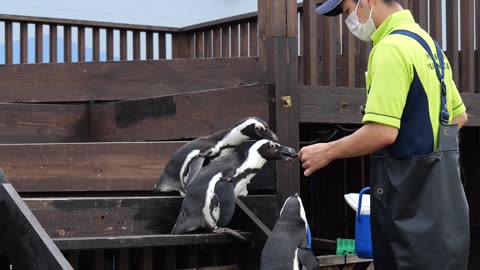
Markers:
330,8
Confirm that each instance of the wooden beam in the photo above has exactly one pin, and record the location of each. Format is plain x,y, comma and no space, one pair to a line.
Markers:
342,105
331,260
94,166
77,217
468,46
176,117
124,80
309,43
283,69
23,239
43,123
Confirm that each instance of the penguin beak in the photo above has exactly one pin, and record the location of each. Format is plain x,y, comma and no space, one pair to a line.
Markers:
268,134
287,153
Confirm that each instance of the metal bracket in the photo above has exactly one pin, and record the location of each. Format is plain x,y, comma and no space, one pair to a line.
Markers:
287,102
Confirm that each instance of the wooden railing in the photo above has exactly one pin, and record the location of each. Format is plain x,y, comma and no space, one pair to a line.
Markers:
115,34
331,56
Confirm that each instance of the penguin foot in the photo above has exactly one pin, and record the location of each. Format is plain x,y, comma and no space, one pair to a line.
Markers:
233,233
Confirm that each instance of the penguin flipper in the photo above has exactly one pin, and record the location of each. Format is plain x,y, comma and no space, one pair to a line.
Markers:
195,167
183,224
307,259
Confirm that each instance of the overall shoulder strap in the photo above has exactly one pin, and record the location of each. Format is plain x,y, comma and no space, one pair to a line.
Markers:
439,68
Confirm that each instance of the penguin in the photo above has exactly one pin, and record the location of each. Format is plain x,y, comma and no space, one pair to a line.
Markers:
197,153
209,203
288,247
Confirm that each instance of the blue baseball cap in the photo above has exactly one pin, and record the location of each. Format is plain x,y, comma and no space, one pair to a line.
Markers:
330,8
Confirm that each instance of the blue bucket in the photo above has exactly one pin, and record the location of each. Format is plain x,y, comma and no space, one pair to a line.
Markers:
363,237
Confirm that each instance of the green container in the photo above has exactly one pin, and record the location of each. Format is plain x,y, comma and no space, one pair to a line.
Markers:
345,246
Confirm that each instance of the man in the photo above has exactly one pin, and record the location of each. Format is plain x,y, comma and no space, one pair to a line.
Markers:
419,215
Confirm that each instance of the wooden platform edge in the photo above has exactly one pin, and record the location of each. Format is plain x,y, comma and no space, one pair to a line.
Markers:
24,240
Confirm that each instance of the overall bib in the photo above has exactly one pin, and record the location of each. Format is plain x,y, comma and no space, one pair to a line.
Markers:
419,214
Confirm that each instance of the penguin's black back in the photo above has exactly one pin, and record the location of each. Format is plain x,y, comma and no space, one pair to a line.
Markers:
279,251
170,177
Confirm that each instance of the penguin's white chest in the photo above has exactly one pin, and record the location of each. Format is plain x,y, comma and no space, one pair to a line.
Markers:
211,212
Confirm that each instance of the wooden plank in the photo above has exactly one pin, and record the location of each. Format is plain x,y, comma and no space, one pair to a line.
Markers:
129,218
341,105
223,267
31,123
21,232
99,259
123,45
8,42
24,43
292,19
38,43
226,42
309,43
67,43
217,37
262,32
81,44
235,50
199,48
30,19
253,39
208,43
122,259
452,38
96,44
468,46
162,46
146,260
85,166
436,21
348,53
123,80
183,45
420,13
149,44
330,260
250,222
177,117
109,44
136,45
244,44
276,18
53,43
477,53
283,63
95,166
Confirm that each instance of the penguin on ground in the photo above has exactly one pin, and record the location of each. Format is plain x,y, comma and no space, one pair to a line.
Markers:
210,198
288,248
191,157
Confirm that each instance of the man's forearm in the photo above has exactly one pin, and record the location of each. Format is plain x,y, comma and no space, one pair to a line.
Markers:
368,139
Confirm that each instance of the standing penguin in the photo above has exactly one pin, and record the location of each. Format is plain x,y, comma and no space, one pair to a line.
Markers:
288,246
192,156
210,198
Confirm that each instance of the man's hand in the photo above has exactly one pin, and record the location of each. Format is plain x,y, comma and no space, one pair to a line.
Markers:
368,139
314,157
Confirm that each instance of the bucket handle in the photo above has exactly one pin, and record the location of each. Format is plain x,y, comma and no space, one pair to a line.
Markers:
359,209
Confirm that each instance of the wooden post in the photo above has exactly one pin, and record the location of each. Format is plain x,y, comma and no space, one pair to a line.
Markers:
309,43
280,26
468,43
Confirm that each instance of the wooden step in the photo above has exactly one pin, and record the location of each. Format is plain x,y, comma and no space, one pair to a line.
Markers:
141,241
88,167
77,217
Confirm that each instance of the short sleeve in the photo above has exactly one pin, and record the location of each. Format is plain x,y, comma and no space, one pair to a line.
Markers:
388,82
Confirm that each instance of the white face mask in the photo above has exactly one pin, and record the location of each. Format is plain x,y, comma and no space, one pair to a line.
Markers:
362,31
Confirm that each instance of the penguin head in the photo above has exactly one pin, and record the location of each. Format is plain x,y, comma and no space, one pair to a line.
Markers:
293,208
271,150
255,128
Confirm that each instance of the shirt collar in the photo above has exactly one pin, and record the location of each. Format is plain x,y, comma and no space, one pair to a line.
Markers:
391,23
